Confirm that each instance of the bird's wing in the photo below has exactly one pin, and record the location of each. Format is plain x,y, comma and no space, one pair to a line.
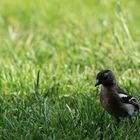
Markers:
125,98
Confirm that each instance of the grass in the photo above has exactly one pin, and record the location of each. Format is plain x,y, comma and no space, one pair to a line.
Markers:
68,42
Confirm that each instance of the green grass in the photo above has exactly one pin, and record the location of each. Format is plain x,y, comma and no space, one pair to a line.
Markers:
68,42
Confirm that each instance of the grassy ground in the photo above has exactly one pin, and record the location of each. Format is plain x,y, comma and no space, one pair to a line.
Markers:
69,42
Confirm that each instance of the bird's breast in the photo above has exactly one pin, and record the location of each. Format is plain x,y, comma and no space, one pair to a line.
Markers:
111,104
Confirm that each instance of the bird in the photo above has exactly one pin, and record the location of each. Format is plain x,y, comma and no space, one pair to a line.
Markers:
114,100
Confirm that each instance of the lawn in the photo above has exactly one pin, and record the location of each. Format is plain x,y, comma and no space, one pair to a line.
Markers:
51,51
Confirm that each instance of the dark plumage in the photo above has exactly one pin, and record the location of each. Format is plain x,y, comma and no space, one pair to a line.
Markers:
113,99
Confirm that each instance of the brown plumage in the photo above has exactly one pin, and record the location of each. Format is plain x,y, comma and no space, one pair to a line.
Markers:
113,99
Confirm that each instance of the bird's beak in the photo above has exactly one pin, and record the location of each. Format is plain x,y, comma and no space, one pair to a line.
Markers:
97,83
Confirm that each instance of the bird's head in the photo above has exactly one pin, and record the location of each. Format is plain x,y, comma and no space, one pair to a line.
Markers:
106,78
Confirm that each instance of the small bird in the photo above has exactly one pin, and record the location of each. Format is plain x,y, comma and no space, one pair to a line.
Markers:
113,99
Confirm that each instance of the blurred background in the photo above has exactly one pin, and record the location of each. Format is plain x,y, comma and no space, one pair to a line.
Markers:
67,37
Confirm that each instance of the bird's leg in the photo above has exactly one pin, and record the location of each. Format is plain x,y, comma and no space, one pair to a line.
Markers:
117,120
130,120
